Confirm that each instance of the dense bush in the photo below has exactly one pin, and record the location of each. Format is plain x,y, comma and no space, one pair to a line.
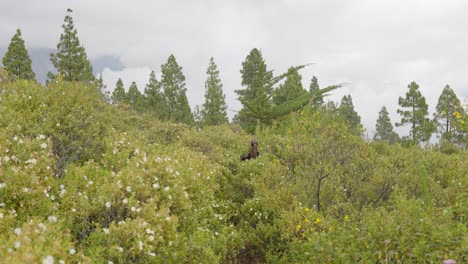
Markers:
83,181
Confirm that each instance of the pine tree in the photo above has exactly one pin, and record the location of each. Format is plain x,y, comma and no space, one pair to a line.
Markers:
346,110
314,87
384,128
214,108
71,61
198,116
414,111
134,98
16,59
447,115
118,95
257,106
155,98
173,84
101,87
291,89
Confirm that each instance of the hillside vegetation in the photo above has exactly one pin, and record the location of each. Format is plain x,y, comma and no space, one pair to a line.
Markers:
85,181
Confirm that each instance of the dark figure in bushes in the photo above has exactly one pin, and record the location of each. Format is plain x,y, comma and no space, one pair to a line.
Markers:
253,152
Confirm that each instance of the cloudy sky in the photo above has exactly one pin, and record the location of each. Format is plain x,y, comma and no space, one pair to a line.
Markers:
376,47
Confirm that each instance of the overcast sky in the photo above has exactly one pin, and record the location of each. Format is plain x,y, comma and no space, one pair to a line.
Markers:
376,47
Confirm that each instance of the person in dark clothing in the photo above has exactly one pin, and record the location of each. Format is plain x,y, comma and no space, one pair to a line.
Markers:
253,152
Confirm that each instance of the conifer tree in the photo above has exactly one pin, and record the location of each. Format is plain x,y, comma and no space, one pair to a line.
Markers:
314,87
101,87
384,128
291,89
346,110
71,61
154,97
198,116
118,95
256,98
447,115
16,59
173,84
214,108
134,98
414,112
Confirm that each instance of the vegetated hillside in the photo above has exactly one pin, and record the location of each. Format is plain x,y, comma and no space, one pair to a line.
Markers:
84,181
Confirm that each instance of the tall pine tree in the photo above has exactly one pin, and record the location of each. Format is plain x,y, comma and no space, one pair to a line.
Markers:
70,61
346,110
414,112
16,59
290,89
119,95
155,98
447,115
173,85
314,87
213,112
384,128
134,98
257,87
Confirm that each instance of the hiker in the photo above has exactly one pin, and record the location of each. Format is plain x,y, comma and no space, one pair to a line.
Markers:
253,152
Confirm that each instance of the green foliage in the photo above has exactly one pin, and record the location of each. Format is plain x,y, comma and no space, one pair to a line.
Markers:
384,128
291,89
449,116
70,61
314,86
173,85
134,98
346,110
414,111
16,59
214,108
118,95
155,98
139,190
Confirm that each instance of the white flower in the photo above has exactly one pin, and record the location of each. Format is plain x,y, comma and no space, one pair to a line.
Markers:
149,231
110,262
41,137
48,260
166,188
52,198
177,173
62,186
106,230
108,204
152,254
168,218
41,225
31,161
58,124
17,244
15,138
43,145
140,245
17,231
151,238
2,185
21,141
156,186
61,261
6,158
25,189
120,249
1,215
133,209
129,189
72,251
52,218
125,201
137,151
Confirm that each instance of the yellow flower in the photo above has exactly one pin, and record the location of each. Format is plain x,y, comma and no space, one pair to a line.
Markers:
306,210
331,228
457,115
298,227
346,218
317,220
